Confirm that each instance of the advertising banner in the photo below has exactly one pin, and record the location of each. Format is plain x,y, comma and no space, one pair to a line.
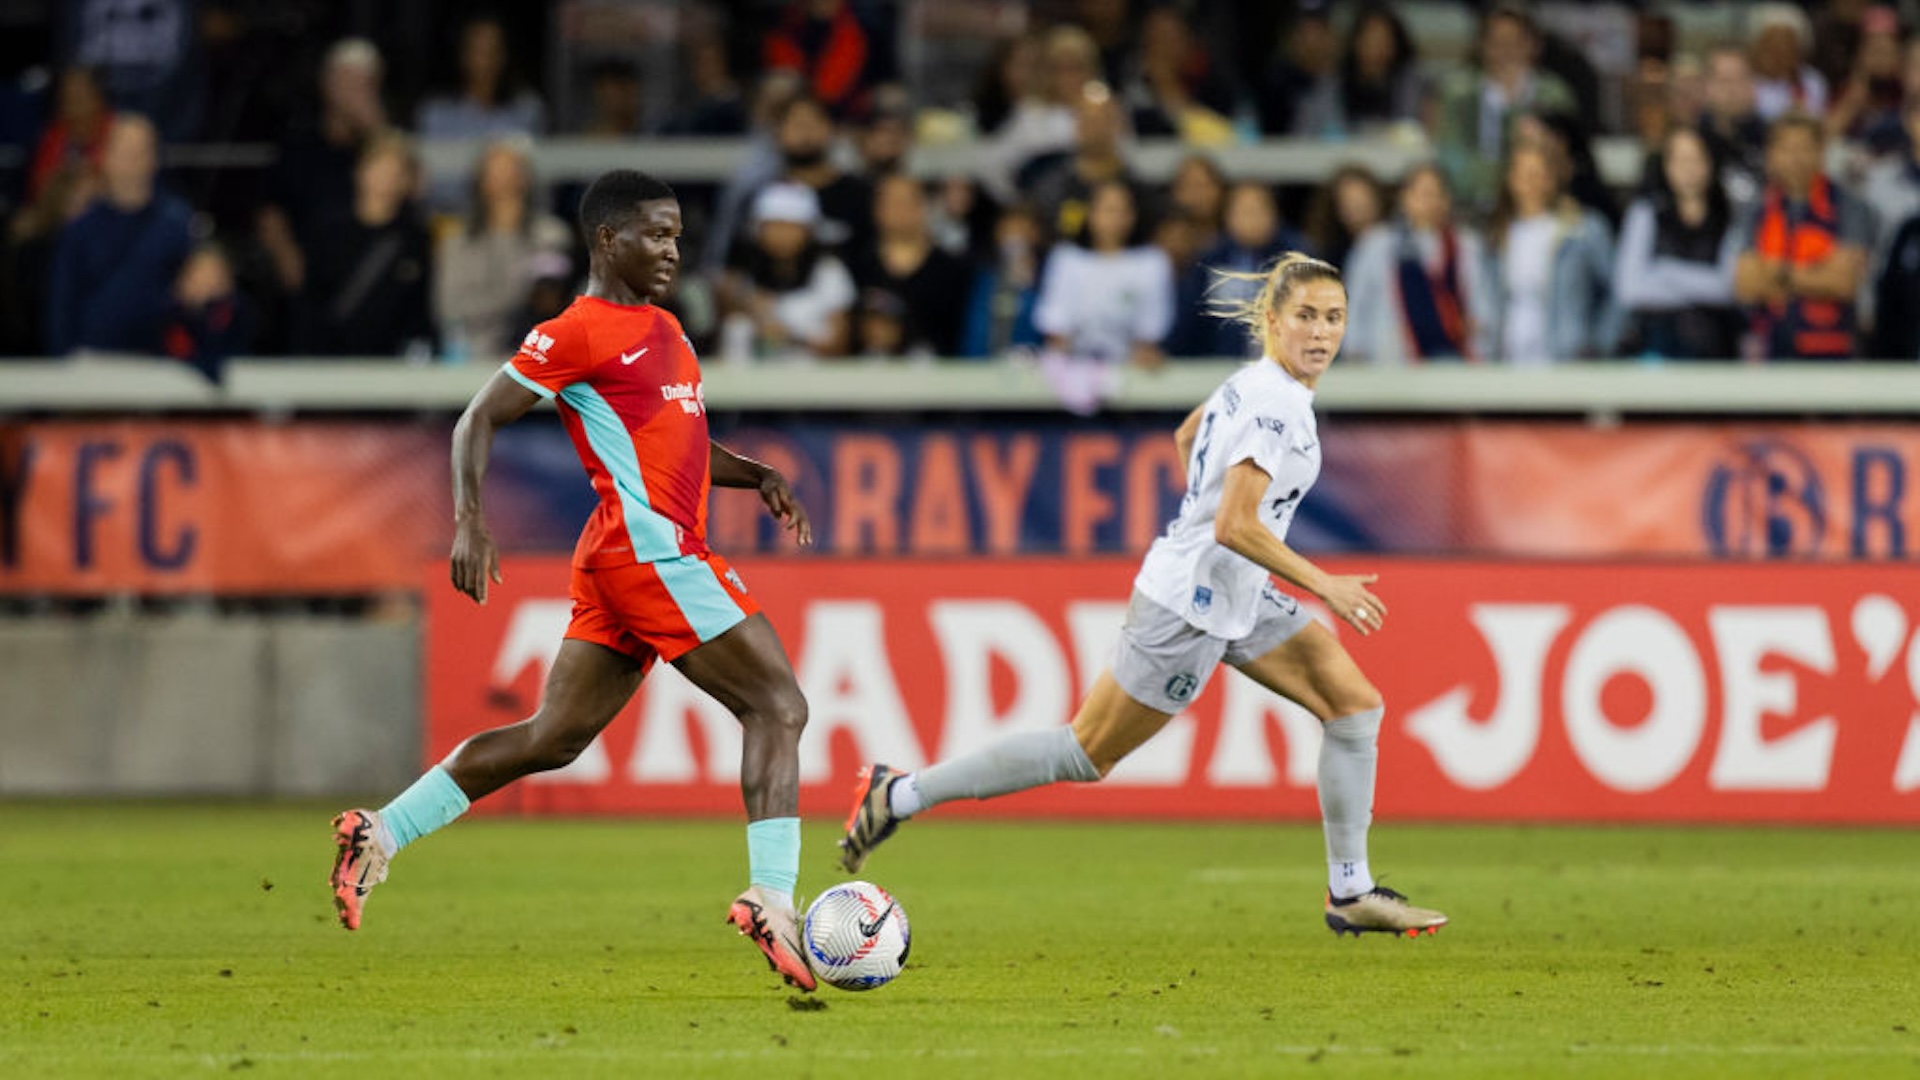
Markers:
320,508
1515,691
238,507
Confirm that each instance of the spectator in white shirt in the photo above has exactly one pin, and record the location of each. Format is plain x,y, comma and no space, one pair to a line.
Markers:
1107,298
786,298
1673,277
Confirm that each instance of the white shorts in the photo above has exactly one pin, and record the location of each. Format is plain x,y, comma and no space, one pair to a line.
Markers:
1163,661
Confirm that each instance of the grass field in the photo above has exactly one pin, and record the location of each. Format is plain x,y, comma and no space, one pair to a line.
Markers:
142,940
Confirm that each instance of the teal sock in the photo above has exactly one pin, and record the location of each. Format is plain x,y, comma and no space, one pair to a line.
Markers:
773,857
434,800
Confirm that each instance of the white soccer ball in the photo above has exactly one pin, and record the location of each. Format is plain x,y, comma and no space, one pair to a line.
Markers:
857,937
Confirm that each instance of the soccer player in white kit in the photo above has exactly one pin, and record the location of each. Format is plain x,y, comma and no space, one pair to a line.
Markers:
1204,595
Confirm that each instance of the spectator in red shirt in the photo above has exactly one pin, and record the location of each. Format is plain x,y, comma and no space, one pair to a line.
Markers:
842,49
77,132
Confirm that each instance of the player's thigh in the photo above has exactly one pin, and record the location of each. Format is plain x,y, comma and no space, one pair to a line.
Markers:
1315,670
587,686
747,670
1110,724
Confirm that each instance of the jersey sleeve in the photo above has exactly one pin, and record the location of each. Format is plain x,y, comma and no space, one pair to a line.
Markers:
1262,437
552,357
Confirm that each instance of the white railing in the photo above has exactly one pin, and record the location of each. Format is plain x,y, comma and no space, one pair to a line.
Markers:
1600,391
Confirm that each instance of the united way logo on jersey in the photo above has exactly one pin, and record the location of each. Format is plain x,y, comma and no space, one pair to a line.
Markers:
1766,501
1202,598
691,396
1271,423
535,345
1181,687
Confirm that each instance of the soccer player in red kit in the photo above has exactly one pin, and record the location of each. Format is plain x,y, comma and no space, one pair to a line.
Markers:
645,586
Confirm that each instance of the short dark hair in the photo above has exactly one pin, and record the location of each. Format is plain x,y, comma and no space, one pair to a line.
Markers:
615,197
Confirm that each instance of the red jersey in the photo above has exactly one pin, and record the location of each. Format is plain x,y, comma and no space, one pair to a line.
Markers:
628,388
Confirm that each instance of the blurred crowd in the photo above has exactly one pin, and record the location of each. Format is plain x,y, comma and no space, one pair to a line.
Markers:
1777,216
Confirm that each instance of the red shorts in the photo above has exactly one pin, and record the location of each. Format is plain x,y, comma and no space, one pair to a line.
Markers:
658,609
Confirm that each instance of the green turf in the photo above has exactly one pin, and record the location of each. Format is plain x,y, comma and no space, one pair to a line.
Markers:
166,940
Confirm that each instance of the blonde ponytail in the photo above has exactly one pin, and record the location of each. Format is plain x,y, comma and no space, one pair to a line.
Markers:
1276,284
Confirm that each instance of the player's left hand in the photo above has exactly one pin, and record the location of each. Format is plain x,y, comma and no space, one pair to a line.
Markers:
785,508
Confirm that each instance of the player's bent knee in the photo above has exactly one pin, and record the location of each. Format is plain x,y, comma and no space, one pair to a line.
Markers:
785,713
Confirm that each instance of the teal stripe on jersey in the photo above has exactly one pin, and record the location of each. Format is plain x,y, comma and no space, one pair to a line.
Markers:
653,536
708,606
514,374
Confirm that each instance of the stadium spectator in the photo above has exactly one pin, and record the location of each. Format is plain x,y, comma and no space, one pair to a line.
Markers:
486,267
805,136
881,328
1198,190
1172,87
1044,118
1569,141
1835,30
1891,186
1478,105
1378,83
1417,284
490,100
904,263
786,296
1110,25
1301,75
1253,238
313,183
76,133
961,217
1731,122
1553,266
883,133
719,106
1673,277
114,266
367,290
759,166
613,88
1804,251
1104,298
1006,285
841,49
1867,108
1010,77
210,321
1350,202
144,54
1063,191
1778,41
1897,322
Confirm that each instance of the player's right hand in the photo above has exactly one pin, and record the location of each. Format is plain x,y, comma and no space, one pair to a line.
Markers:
475,560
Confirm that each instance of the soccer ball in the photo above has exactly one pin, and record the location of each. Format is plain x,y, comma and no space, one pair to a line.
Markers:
857,937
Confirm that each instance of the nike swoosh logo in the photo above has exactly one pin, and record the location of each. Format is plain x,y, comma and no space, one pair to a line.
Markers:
868,929
628,358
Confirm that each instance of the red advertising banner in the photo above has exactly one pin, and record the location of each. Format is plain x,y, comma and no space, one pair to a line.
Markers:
216,506
1730,692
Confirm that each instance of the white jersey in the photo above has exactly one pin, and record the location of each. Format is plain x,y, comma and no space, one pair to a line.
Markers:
1262,415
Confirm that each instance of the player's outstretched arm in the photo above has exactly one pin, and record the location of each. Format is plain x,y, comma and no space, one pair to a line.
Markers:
1238,528
731,470
499,403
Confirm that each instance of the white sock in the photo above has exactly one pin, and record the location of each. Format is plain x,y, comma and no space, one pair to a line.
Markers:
903,798
776,898
1014,763
1348,753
